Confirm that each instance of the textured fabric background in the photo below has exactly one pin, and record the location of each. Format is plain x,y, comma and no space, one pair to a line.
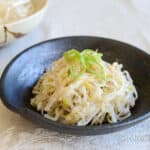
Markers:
125,20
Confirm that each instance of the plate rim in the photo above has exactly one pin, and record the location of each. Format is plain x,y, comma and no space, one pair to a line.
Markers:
57,124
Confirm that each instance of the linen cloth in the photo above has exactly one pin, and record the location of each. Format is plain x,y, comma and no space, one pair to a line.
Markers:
125,20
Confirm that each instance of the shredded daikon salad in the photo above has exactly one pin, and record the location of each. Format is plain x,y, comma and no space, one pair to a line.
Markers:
83,89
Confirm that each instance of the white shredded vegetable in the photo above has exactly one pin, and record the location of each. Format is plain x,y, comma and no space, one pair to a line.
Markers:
87,100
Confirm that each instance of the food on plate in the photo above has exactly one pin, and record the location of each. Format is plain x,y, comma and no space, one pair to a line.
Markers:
82,89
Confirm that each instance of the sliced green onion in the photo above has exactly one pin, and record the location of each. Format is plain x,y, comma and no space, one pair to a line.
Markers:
72,55
91,55
85,61
130,88
66,103
75,72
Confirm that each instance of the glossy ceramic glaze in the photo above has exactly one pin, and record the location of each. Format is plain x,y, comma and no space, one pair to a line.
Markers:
12,31
25,69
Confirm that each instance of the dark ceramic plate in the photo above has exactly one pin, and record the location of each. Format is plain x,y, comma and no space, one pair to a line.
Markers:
25,69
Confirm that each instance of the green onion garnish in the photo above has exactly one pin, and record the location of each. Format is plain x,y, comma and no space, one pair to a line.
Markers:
86,61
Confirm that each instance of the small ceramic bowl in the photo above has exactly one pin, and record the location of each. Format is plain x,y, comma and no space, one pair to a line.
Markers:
11,31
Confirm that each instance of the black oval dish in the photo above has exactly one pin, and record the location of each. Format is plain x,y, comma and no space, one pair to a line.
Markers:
25,69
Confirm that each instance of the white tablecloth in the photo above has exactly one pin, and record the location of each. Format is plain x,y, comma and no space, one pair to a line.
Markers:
125,20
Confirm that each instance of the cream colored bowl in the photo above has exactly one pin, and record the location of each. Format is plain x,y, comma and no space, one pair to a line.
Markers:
17,29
